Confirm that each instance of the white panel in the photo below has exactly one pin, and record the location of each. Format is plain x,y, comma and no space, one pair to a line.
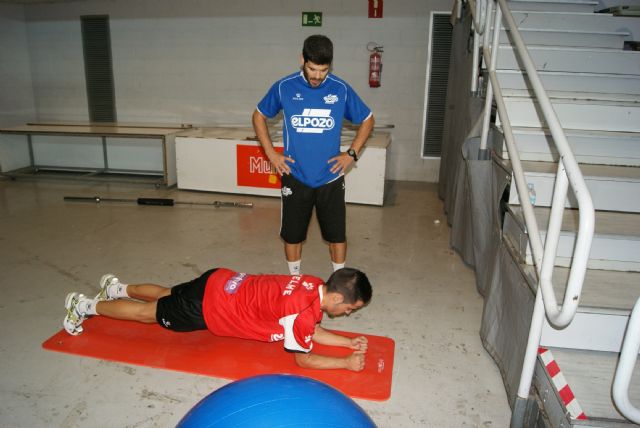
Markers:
365,181
68,151
14,152
135,153
209,164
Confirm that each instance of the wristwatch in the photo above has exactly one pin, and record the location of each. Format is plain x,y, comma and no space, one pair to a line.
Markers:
353,154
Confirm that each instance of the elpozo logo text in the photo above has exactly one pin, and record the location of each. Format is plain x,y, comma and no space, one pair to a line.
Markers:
312,120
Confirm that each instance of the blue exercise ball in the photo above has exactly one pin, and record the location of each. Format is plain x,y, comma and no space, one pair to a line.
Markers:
276,401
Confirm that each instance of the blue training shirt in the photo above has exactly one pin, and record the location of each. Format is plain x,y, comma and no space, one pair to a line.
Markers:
313,122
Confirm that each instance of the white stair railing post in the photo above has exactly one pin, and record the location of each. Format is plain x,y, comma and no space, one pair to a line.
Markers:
626,364
491,65
559,317
553,235
475,63
535,330
568,174
478,13
562,316
479,10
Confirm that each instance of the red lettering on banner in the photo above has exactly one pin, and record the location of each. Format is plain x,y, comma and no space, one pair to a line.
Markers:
254,168
259,165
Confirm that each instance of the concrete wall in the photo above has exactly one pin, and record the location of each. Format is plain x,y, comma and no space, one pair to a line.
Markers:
16,91
210,62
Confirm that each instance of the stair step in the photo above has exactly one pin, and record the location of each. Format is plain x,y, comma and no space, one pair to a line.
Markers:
574,82
592,147
603,289
559,96
585,60
606,300
599,115
590,376
592,329
612,188
615,245
564,20
574,38
558,6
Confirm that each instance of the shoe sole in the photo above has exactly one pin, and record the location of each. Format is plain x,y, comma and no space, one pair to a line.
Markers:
103,285
68,302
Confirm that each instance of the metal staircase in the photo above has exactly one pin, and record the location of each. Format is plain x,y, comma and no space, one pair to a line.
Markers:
594,88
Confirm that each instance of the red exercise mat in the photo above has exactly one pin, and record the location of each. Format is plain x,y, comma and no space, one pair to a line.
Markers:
203,353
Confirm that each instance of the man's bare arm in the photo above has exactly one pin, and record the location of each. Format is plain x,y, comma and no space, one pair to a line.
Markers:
325,337
342,162
278,160
363,133
354,362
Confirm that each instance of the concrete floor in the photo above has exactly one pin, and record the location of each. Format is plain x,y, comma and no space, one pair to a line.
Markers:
424,298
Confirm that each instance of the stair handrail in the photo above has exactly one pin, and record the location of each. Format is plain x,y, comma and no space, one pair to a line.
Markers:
479,10
480,23
568,173
626,364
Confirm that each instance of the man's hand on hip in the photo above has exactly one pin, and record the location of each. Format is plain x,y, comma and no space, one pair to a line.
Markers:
341,163
279,162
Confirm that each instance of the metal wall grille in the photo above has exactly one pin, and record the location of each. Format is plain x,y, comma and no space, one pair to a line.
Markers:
437,84
96,41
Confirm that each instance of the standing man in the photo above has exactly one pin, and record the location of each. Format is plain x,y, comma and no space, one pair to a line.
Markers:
312,168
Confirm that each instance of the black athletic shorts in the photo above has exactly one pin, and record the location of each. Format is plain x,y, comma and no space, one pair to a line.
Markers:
298,201
182,310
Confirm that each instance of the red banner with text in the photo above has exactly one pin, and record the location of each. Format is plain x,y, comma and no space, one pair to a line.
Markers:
254,168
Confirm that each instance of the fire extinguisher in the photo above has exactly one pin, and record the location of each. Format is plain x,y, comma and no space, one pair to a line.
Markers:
375,65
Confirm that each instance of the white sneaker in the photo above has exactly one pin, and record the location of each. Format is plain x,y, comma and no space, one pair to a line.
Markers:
73,320
106,282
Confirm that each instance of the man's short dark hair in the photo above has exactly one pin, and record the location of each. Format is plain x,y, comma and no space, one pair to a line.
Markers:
318,49
351,283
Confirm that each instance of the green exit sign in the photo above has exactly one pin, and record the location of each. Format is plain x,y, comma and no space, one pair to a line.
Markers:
311,19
